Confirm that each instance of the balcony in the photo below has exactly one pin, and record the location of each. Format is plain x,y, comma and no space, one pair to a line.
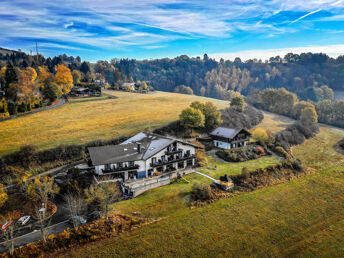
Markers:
169,161
121,169
173,151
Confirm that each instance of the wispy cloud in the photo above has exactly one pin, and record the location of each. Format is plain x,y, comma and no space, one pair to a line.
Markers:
306,15
147,24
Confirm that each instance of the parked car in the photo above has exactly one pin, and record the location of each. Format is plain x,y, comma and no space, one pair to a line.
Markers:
23,220
79,219
6,225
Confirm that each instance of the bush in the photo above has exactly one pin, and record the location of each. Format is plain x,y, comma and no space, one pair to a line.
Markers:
4,115
12,108
280,151
247,119
201,192
296,134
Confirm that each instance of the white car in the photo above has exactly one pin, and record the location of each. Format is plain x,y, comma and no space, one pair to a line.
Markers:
78,219
23,220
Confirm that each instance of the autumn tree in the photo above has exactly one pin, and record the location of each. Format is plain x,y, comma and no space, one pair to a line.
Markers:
191,118
106,192
44,76
238,104
299,106
260,135
3,195
212,117
52,91
76,76
64,78
309,115
90,77
42,189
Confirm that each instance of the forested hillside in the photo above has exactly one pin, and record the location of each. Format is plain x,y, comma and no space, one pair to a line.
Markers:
302,74
32,81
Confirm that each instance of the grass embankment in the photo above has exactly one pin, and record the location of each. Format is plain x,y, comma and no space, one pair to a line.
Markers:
303,217
87,119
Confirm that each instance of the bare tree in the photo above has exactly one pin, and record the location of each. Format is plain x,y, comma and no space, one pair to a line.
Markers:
75,205
41,213
9,232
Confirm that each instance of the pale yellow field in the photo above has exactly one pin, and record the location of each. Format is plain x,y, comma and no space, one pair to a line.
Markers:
84,120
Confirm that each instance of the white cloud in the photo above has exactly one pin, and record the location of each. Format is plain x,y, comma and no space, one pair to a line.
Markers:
265,54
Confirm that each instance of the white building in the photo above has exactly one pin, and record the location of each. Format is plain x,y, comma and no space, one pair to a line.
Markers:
141,156
230,138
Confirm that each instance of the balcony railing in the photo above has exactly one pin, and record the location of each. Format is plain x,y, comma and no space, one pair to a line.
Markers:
173,151
124,168
169,161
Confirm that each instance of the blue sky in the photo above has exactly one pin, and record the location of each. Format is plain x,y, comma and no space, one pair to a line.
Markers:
143,29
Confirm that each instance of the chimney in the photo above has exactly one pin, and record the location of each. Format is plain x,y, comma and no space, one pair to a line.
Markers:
138,147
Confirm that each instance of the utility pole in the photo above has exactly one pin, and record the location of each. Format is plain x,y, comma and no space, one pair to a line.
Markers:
36,53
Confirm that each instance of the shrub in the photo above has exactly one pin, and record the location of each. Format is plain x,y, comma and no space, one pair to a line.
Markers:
201,192
4,115
280,151
245,172
247,119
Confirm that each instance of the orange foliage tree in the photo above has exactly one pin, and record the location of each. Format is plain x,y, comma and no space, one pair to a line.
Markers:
64,78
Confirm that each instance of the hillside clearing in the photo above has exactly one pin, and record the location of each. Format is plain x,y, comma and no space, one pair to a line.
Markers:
85,120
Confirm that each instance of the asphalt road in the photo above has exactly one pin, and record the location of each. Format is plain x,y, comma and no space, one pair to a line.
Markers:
35,235
59,222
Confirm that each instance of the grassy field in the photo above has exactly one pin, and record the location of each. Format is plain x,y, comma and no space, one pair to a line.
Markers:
302,218
88,119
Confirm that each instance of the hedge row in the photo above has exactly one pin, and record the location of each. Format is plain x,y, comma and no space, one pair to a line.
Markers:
96,230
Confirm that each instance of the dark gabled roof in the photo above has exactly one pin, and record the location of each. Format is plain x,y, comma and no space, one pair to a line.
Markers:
226,132
114,153
127,151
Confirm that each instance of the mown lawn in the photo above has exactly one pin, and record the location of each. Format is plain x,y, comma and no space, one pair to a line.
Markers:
84,120
301,218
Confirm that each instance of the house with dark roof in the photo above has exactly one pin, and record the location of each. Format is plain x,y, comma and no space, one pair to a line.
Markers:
230,138
142,156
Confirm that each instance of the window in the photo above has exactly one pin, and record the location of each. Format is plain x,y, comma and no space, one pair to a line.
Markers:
163,158
107,166
188,153
131,163
120,164
153,160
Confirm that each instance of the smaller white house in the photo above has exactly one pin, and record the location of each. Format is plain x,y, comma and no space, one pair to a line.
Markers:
230,138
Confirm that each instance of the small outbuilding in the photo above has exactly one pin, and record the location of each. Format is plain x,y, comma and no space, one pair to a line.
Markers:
230,138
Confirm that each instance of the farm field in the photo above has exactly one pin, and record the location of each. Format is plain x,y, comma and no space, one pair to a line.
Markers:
79,122
300,218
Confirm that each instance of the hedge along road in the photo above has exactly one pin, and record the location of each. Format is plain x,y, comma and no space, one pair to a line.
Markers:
58,104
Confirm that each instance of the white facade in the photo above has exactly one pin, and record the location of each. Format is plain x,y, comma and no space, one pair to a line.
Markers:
145,166
226,145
